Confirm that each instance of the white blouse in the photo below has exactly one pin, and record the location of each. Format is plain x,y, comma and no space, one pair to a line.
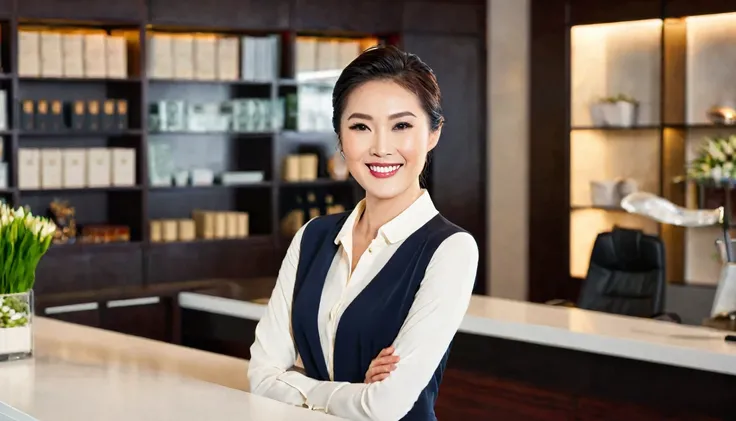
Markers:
434,317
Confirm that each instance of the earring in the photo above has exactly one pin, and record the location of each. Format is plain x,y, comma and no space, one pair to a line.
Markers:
342,153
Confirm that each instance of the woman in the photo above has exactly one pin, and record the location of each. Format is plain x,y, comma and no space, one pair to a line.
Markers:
370,300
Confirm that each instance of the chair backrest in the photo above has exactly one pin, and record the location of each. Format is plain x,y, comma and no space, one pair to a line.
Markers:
626,274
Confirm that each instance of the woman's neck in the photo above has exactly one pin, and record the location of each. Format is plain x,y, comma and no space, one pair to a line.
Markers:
378,212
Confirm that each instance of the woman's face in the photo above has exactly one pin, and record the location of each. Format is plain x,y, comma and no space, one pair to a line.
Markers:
385,137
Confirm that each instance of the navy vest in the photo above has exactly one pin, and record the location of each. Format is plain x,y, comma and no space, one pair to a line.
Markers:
373,319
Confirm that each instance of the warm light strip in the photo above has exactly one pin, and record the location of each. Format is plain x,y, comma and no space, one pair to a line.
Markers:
617,25
712,19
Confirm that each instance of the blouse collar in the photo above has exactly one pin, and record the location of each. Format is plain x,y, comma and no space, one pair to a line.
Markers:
397,229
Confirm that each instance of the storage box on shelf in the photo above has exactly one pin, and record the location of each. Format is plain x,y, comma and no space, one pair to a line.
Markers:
67,52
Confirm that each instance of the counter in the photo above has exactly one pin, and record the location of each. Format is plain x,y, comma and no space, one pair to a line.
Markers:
80,373
533,359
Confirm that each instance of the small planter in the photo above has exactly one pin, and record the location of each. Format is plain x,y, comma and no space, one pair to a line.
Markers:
615,112
16,326
598,114
605,194
627,113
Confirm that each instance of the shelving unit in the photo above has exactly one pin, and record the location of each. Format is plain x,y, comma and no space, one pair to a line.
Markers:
677,68
266,202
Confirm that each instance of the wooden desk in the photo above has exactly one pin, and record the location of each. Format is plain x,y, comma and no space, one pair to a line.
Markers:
522,361
81,373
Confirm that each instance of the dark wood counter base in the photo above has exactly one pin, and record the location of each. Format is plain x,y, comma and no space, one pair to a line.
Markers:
496,379
493,378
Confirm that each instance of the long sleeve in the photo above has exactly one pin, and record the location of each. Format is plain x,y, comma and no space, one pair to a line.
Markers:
273,354
438,309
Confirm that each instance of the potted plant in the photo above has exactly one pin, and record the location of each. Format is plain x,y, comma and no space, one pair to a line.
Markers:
617,111
24,239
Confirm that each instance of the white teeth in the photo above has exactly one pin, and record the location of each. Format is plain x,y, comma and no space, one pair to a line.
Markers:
384,169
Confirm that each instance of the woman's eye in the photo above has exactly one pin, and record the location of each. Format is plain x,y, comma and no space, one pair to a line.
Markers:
402,126
359,127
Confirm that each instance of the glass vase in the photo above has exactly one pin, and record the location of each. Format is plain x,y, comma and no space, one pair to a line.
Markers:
16,326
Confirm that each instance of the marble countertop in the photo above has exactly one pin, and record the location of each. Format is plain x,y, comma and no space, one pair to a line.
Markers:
80,373
628,337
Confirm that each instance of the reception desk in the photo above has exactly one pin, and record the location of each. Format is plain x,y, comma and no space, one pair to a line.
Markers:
80,373
523,361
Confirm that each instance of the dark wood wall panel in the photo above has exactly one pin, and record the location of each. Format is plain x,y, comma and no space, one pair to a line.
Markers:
85,10
600,11
421,16
678,8
6,7
549,154
368,16
233,14
81,267
459,195
178,262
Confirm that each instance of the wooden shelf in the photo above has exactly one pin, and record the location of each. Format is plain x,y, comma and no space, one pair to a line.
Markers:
74,133
231,134
185,189
110,189
253,239
615,129
600,208
316,183
33,79
85,247
701,126
211,82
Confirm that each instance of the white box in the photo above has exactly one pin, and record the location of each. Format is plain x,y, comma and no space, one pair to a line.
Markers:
98,167
72,47
95,57
182,47
29,53
29,168
227,58
123,167
116,49
52,63
3,175
160,56
205,55
3,111
74,168
50,168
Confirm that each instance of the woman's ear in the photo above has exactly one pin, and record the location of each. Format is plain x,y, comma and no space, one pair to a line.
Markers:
434,137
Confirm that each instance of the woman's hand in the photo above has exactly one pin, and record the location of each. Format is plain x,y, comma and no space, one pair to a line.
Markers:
382,365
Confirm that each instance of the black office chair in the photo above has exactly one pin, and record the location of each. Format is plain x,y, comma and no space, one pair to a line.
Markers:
626,276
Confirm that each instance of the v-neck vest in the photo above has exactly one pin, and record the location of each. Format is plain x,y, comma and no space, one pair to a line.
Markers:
373,319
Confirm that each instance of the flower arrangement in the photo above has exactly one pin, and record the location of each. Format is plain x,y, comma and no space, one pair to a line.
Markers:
24,239
715,162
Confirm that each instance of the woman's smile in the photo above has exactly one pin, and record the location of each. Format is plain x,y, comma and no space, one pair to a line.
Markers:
381,170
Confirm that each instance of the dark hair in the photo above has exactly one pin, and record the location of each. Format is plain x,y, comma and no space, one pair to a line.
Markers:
389,63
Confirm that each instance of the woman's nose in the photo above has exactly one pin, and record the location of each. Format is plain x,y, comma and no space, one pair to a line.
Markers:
381,146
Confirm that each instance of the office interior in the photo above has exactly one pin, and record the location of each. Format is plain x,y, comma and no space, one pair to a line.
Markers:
179,145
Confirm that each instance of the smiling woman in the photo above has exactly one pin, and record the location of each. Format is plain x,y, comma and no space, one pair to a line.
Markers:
367,302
